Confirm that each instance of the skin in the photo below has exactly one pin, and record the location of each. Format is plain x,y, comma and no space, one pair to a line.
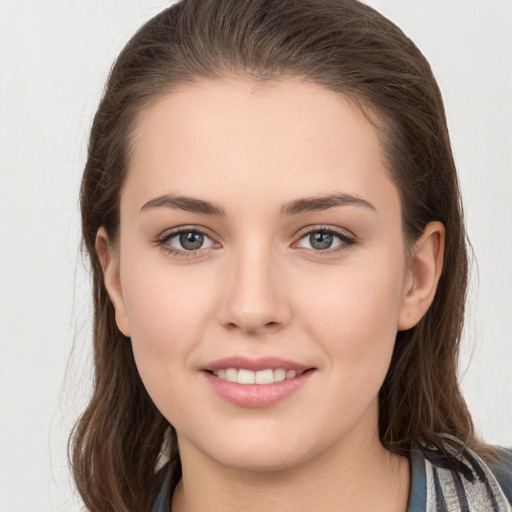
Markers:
259,288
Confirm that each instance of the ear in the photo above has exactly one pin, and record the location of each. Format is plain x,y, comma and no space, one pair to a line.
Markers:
426,264
109,260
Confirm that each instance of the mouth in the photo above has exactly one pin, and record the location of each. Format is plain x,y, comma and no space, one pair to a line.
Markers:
256,383
261,377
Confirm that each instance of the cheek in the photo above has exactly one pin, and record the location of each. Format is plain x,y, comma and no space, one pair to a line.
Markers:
168,309
167,315
353,321
353,314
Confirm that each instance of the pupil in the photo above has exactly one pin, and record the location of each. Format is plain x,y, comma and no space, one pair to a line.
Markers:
191,241
320,240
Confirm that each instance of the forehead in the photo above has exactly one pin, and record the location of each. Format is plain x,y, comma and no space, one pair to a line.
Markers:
279,140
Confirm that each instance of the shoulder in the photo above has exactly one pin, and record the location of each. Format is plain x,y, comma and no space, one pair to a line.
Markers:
458,479
503,471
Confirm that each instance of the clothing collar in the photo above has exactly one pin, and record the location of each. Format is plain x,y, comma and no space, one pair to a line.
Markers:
460,482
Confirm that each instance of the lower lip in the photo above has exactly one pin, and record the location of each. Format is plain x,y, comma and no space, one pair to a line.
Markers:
256,395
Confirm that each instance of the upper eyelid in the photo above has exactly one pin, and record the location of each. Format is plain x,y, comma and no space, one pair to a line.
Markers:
170,233
330,229
301,233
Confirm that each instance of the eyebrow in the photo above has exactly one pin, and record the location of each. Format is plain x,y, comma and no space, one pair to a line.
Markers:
189,204
324,202
295,207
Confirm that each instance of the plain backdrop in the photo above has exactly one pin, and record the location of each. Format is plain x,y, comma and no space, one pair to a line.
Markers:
54,58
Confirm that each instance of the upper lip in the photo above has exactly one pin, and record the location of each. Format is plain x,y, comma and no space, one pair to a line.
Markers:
260,363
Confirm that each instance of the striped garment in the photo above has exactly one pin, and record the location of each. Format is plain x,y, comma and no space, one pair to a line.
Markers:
438,484
463,483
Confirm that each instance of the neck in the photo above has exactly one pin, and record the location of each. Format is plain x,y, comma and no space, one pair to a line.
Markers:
356,475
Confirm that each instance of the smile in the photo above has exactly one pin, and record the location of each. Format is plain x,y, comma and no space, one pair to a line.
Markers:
244,376
256,383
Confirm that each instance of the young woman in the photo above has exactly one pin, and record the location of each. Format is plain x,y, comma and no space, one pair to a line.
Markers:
272,213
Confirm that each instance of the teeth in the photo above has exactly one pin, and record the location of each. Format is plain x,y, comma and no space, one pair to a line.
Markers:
279,375
264,377
243,376
232,375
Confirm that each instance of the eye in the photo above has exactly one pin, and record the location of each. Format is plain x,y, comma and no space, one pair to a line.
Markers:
186,241
323,239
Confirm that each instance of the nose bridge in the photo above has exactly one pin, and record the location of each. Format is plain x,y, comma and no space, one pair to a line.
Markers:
254,297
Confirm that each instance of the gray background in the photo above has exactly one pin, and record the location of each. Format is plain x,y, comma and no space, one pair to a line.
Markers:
54,57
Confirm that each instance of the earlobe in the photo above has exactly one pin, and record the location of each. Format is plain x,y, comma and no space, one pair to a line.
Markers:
423,275
111,274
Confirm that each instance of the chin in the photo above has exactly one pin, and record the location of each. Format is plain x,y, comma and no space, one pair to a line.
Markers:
262,453
260,461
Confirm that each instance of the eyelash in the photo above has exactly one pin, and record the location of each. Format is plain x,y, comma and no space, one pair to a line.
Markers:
346,240
168,249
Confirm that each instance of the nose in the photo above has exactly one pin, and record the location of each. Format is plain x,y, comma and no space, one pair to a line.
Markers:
254,293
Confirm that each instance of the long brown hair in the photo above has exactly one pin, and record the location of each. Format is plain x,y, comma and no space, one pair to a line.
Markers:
348,48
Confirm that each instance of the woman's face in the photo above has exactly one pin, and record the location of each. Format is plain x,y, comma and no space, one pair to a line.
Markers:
260,236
